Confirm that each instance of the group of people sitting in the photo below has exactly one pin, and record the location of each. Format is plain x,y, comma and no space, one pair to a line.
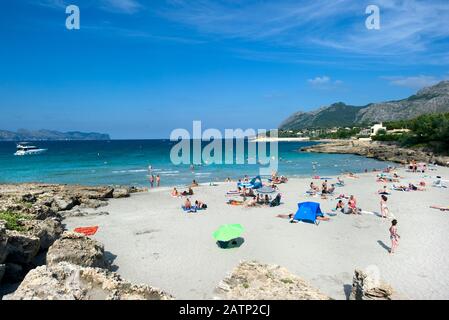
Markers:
264,200
349,208
198,205
325,189
275,179
176,193
415,167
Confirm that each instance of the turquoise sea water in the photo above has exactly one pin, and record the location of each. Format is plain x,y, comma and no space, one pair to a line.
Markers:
125,162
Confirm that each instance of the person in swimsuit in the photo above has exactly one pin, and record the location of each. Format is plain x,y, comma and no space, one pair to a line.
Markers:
383,206
175,192
187,204
394,237
152,181
340,206
158,180
352,203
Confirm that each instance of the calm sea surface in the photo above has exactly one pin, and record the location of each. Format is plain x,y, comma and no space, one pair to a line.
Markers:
125,162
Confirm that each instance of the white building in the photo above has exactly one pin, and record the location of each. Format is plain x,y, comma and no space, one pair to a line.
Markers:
376,128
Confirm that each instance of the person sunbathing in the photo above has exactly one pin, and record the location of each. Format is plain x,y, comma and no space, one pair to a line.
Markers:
340,206
187,193
383,191
340,182
352,175
267,199
200,205
313,187
251,203
331,189
401,188
175,193
352,204
412,187
187,204
194,183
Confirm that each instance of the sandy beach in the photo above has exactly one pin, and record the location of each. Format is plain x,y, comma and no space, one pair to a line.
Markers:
155,242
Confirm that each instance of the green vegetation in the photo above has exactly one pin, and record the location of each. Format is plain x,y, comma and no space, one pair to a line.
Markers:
12,220
341,133
430,131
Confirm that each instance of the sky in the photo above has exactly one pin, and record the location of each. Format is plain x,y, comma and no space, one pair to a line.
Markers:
140,69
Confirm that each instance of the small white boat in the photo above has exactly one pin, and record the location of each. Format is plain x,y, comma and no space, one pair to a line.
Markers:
24,149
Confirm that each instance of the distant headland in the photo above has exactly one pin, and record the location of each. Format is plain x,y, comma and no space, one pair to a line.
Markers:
50,135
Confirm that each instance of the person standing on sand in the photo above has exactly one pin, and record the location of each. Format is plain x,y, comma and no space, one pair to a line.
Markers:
394,236
151,181
383,206
158,180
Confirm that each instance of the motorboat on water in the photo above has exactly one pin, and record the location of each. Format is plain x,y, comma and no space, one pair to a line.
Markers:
23,149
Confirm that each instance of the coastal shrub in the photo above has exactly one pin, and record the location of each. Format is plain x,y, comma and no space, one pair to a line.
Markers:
12,220
388,137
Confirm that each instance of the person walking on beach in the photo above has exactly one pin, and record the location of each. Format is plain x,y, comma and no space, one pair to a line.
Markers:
383,207
151,181
158,180
394,236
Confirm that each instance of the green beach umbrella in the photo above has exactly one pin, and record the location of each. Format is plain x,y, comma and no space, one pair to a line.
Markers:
228,232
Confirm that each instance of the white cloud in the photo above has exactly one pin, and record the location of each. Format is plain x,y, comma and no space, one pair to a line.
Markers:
324,82
319,80
413,82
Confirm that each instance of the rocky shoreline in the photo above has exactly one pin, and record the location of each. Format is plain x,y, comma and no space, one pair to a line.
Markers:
37,252
378,150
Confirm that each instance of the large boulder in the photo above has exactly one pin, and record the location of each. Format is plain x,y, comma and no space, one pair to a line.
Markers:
77,249
22,248
66,281
3,242
62,204
255,281
367,285
48,230
121,193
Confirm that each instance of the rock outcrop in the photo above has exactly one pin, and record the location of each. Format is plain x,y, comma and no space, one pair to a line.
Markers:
377,150
255,281
48,230
66,281
22,248
77,249
367,286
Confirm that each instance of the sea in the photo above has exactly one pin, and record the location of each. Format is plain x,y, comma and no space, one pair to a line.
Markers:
126,162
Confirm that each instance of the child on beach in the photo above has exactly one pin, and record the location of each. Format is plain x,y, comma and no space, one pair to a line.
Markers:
152,181
158,180
394,236
383,207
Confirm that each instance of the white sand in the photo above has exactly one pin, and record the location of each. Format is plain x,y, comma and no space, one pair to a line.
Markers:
159,244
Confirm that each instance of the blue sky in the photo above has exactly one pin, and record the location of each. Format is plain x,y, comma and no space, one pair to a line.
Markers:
139,69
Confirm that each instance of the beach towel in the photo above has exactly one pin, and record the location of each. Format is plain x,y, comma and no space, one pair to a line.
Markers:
87,231
192,209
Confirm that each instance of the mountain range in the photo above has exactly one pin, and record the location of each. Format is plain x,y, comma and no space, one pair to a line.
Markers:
27,135
434,99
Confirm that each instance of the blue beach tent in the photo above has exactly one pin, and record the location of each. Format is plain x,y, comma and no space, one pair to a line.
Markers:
308,211
255,183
